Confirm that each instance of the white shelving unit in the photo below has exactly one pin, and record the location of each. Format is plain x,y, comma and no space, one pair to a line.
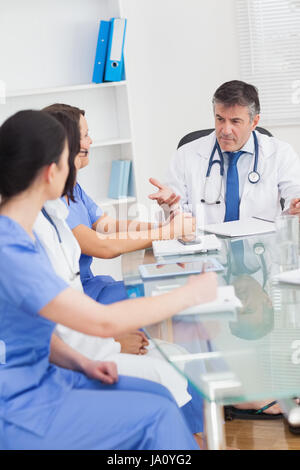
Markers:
64,89
107,143
55,65
107,113
108,202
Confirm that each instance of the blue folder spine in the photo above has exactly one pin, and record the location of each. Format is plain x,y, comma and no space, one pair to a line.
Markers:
116,179
131,183
127,165
101,51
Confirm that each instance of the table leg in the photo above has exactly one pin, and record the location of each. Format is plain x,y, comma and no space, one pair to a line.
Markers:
214,425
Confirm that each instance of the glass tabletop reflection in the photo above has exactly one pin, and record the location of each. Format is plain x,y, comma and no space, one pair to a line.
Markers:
248,354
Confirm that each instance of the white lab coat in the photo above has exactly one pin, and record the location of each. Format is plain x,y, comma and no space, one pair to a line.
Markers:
151,366
278,166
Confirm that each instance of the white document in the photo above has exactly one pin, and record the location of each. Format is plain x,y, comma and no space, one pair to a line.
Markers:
291,277
241,228
174,247
226,301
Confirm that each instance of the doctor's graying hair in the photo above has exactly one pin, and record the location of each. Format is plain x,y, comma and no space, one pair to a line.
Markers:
238,93
29,141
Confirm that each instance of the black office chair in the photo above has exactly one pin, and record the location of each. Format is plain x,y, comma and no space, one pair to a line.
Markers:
197,134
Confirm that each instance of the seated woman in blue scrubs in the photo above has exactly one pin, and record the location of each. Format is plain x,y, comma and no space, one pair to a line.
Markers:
51,396
132,353
87,221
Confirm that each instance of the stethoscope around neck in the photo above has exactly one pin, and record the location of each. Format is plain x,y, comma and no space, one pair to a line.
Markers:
253,176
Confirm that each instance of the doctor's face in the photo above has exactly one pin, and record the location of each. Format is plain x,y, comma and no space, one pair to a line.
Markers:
233,126
82,158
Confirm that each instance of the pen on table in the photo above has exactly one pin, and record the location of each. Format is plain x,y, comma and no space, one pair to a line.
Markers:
264,408
265,220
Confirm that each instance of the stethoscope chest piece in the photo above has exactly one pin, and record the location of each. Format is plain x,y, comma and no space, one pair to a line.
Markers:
259,249
254,177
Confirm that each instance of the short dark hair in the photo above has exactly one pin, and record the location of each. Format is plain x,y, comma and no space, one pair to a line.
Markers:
239,93
29,141
72,130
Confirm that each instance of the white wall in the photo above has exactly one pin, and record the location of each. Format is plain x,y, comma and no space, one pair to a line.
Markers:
52,43
49,43
178,53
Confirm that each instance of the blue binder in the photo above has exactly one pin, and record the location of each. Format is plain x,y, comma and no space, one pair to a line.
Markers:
116,179
127,165
114,69
101,51
131,183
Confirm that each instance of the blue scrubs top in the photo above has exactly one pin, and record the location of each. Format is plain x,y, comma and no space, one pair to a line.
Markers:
41,404
103,289
84,211
31,389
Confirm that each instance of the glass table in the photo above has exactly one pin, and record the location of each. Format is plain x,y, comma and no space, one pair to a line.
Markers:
248,354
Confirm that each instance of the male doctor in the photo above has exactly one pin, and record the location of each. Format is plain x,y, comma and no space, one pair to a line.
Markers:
235,172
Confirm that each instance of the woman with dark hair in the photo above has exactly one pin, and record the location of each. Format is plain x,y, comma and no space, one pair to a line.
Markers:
132,352
63,252
101,236
51,396
127,351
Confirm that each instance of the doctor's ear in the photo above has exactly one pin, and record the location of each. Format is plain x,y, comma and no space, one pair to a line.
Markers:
255,121
49,173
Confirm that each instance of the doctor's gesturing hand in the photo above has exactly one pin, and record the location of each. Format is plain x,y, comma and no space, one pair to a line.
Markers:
295,207
164,195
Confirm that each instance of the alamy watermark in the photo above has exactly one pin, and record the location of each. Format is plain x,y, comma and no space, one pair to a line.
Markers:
2,352
174,224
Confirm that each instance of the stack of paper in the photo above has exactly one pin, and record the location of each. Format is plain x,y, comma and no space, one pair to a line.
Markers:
226,301
291,277
241,228
174,247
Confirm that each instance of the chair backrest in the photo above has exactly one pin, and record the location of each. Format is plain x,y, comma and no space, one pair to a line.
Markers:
197,134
